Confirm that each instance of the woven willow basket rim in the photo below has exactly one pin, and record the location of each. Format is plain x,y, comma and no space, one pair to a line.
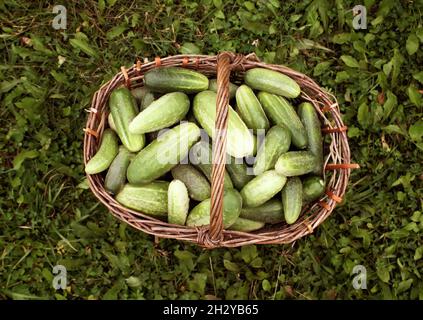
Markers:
337,161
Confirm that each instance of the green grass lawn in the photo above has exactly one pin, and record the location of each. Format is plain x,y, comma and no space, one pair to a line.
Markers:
48,216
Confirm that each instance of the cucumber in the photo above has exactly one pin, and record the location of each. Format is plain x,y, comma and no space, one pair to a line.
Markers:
276,142
139,93
250,109
262,188
232,204
123,108
197,184
281,112
161,113
240,140
311,122
105,154
170,79
149,198
295,163
313,188
178,202
200,156
147,100
161,155
111,122
246,225
292,194
232,88
269,212
238,171
116,175
272,81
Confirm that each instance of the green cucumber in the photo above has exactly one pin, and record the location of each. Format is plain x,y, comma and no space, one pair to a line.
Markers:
292,194
250,109
147,100
200,156
148,198
197,184
178,202
272,81
116,175
161,113
123,108
262,188
238,171
111,122
295,163
313,188
246,225
105,154
281,112
269,212
240,142
308,116
232,87
161,155
232,204
276,142
170,79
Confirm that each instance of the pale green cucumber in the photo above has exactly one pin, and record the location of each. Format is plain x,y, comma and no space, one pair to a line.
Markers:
178,203
232,87
308,116
197,184
280,111
276,142
240,142
116,175
246,225
269,212
250,109
313,188
232,204
111,122
238,171
148,198
161,155
295,163
123,108
272,81
262,188
161,113
292,199
171,79
105,154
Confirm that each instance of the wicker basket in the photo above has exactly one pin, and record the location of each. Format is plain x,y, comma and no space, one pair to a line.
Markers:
225,65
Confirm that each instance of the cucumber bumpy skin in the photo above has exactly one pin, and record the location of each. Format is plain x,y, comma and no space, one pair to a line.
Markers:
105,154
178,202
116,175
292,199
295,163
250,109
269,212
197,184
246,225
313,188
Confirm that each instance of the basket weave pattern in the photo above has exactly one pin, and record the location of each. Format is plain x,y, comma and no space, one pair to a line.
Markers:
225,65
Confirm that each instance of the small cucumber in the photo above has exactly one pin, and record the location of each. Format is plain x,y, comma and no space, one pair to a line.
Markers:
295,163
292,195
161,155
262,188
116,175
197,184
170,79
308,116
240,141
105,154
238,171
161,113
280,111
269,212
232,204
313,188
276,142
111,122
123,108
246,225
250,109
232,87
272,81
178,202
200,156
149,198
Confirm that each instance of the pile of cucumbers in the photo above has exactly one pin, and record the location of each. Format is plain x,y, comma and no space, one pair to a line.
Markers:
156,153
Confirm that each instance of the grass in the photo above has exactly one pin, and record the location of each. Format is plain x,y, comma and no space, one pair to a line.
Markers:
48,215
